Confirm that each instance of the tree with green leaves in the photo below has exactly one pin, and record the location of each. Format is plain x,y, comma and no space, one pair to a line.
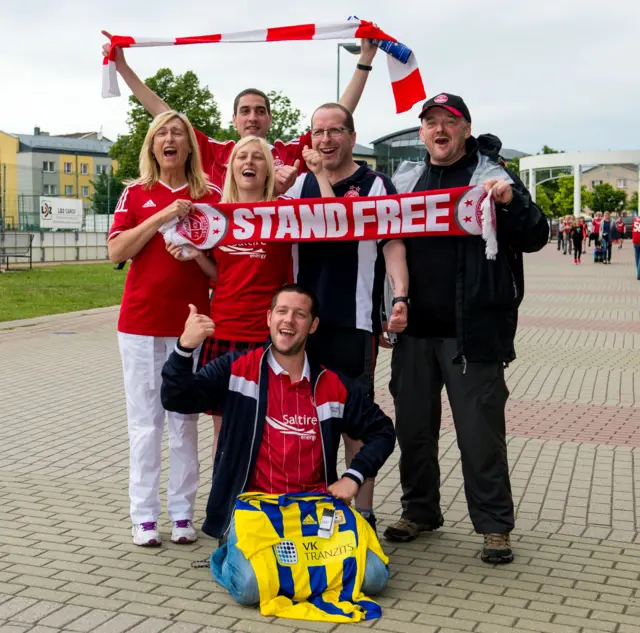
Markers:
563,200
544,202
632,202
106,192
286,119
182,93
606,198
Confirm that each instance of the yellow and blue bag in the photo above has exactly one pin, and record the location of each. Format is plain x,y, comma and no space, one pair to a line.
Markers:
300,574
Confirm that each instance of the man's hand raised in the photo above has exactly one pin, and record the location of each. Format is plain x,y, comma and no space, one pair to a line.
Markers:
286,177
368,51
106,48
345,489
196,329
313,159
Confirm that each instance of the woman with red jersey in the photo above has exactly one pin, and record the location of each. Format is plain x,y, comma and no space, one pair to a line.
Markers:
160,285
249,273
621,229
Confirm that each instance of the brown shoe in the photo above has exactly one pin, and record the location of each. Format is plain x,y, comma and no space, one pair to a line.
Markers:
405,530
497,549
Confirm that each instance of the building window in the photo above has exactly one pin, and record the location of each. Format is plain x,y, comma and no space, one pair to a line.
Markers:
85,192
84,169
49,190
101,169
595,183
67,168
48,165
621,183
68,190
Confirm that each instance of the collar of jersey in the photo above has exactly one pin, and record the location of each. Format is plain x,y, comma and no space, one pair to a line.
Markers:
356,177
186,184
278,369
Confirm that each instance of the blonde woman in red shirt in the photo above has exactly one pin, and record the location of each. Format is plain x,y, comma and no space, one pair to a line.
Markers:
159,287
249,273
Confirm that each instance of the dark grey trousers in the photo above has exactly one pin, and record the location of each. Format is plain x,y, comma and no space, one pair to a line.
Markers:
419,370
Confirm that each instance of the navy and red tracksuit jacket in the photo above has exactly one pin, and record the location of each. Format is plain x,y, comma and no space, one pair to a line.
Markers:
236,384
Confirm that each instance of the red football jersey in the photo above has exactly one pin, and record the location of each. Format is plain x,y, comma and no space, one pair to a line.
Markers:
635,231
595,225
159,288
215,155
290,457
249,274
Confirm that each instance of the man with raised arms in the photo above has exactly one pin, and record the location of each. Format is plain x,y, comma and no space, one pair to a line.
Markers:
251,117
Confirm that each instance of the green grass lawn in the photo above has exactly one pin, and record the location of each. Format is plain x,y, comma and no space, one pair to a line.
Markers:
54,289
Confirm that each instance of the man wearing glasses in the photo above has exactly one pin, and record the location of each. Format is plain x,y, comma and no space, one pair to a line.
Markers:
346,276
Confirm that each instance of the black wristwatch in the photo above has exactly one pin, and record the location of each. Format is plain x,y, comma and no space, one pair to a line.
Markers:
400,300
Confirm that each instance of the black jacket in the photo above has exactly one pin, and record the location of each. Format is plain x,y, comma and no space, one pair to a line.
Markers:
483,295
237,383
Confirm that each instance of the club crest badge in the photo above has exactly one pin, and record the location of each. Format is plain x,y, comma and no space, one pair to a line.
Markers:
354,192
286,552
469,211
204,227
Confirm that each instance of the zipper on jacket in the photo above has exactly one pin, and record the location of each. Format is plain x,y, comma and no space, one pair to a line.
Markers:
513,278
324,457
464,364
253,439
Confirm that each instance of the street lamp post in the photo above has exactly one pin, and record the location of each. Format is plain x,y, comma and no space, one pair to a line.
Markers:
354,49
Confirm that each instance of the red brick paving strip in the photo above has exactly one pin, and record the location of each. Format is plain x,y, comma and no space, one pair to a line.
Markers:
594,424
594,325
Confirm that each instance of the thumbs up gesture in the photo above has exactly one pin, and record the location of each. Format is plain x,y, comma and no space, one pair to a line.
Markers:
313,159
197,328
286,177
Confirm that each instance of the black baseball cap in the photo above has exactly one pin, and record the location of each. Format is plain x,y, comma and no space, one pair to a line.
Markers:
450,102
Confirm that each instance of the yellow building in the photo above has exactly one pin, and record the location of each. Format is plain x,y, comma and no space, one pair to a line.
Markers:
32,165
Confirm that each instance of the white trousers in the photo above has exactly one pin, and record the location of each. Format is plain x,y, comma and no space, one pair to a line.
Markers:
142,361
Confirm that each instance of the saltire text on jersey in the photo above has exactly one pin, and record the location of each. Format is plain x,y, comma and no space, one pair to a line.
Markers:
301,575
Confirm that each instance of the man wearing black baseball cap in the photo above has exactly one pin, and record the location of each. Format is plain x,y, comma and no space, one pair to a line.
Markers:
456,314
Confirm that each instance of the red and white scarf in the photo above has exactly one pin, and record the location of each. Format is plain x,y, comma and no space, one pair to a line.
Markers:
406,81
460,211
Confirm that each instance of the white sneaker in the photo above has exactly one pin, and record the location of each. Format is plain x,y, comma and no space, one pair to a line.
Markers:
183,532
146,534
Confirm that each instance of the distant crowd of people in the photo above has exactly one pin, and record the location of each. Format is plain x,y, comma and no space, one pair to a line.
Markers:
604,230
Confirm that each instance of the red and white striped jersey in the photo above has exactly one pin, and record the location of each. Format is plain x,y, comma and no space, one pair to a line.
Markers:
290,456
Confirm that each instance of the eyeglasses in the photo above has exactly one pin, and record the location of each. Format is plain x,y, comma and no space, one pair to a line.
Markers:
332,132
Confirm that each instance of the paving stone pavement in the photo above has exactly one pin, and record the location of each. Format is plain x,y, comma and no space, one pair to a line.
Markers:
67,564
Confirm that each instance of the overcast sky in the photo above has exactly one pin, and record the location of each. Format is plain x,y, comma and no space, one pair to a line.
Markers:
557,72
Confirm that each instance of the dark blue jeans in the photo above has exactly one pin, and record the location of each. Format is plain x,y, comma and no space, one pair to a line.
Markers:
606,247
